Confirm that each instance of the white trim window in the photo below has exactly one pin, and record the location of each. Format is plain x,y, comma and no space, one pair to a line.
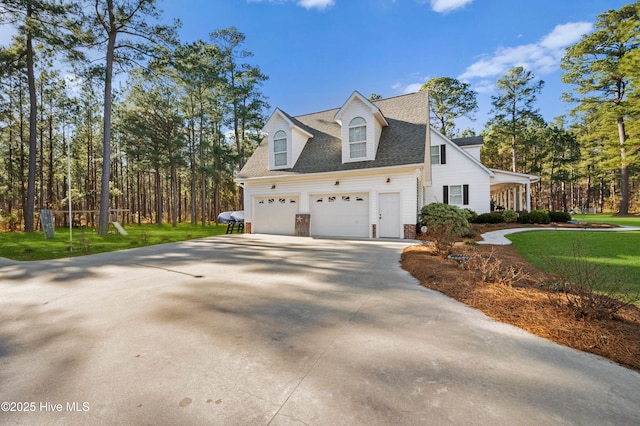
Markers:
358,138
280,149
439,154
456,195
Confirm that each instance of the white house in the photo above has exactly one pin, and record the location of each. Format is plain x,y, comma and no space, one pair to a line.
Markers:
364,170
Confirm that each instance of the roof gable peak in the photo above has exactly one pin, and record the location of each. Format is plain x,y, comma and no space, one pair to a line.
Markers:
375,111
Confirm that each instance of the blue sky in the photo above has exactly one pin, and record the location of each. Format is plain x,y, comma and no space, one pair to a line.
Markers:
316,52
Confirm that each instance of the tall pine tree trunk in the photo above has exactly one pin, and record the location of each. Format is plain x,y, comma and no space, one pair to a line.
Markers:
103,218
31,178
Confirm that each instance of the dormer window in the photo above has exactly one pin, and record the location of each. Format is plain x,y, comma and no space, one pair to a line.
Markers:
358,138
280,148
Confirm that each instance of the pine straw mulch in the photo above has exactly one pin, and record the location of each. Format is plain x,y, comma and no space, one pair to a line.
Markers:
527,304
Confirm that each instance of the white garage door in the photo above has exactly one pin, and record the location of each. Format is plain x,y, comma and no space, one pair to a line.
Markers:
274,215
342,215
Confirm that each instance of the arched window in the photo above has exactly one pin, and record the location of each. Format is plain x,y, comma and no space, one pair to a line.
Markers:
358,138
280,148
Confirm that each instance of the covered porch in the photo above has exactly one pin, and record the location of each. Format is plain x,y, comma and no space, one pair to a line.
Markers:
511,190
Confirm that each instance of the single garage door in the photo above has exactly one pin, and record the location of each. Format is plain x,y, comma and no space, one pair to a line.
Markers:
340,215
274,215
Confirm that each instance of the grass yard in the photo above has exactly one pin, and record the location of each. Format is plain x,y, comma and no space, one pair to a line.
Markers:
615,256
608,218
33,246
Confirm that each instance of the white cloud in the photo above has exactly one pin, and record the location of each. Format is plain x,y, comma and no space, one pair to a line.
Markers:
484,86
541,57
307,4
411,88
445,6
318,4
413,82
566,34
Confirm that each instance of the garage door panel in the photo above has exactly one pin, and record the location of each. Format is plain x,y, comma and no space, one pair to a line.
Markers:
275,215
340,215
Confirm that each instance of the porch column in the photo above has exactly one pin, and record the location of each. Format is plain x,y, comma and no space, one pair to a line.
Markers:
528,188
515,198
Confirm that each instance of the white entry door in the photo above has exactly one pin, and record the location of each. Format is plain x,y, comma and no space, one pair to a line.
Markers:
389,215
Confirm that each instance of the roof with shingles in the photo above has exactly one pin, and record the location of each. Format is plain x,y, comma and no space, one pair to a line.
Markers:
401,143
469,141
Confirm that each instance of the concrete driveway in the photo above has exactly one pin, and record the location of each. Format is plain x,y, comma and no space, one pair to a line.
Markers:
257,330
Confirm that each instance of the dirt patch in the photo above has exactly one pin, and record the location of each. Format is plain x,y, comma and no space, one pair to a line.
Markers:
528,304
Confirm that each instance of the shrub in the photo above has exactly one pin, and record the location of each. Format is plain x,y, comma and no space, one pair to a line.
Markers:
559,217
469,214
535,216
444,223
489,218
490,269
510,216
438,214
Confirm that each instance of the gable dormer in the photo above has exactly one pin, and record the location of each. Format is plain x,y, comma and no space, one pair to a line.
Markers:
286,139
361,123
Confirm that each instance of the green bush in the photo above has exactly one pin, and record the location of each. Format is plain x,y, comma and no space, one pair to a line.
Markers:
469,214
559,217
510,216
438,215
535,216
489,218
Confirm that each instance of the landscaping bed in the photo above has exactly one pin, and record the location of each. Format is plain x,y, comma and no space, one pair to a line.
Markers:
527,304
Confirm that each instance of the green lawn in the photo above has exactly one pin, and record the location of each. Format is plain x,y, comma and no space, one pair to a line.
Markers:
608,218
616,255
33,246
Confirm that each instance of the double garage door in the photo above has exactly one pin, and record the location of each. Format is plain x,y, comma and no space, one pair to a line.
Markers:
344,215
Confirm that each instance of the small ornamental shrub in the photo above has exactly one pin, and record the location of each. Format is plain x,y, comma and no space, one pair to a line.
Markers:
469,214
559,217
510,216
535,216
439,214
489,218
444,224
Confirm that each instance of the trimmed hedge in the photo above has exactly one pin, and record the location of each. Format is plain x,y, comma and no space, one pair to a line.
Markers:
559,217
535,216
489,218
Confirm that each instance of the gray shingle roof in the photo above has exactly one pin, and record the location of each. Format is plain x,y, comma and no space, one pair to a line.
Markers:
401,143
472,140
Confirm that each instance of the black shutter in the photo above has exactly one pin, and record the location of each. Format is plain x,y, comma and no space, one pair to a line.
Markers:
465,195
443,154
445,194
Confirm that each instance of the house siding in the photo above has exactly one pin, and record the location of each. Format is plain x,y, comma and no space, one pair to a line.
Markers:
279,123
402,182
357,108
459,170
296,141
